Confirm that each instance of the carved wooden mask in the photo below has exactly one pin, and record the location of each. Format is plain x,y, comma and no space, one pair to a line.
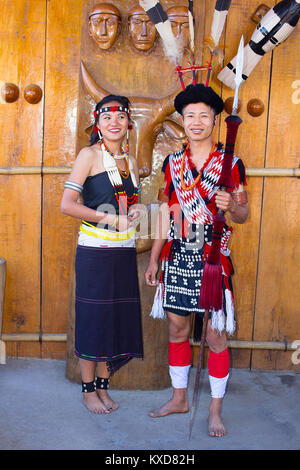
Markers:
178,16
141,29
104,24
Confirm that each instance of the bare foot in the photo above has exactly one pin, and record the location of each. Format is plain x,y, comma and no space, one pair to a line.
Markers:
215,424
94,404
110,404
177,404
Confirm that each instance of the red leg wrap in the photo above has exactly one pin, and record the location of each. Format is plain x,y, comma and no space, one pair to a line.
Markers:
218,364
180,354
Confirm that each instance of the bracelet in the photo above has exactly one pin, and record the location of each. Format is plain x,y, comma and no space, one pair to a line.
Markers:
75,186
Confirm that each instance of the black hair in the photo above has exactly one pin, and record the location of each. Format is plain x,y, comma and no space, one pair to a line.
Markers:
198,94
122,100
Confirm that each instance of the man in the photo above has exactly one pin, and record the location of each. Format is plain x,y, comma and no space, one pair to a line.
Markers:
192,198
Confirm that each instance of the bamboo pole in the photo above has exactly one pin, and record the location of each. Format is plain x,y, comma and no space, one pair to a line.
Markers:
236,344
281,172
57,337
62,170
35,170
272,345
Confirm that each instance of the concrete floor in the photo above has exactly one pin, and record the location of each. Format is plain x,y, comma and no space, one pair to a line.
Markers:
40,409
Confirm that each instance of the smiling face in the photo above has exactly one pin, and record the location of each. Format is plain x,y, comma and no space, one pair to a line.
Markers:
141,29
104,24
113,125
198,121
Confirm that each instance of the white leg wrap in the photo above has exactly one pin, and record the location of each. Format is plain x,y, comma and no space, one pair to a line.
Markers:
179,376
218,386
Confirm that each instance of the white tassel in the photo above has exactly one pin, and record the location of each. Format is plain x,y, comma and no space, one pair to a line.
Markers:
218,320
230,322
157,308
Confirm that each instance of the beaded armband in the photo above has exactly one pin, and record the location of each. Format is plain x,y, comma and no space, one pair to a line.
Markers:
241,198
75,186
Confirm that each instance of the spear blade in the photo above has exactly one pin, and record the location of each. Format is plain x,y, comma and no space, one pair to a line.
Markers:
238,75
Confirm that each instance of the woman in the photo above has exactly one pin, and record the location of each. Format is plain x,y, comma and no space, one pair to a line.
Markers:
108,329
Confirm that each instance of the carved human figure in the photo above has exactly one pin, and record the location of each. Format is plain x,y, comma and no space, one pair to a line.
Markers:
178,16
104,24
141,29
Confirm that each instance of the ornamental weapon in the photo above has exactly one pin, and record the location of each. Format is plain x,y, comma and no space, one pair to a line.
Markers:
275,27
211,285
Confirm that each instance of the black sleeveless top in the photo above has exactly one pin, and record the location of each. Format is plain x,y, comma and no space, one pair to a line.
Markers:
98,191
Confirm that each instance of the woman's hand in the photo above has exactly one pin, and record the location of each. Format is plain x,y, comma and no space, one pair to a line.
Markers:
123,223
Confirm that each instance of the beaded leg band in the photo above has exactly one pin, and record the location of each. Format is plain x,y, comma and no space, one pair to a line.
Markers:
88,387
102,384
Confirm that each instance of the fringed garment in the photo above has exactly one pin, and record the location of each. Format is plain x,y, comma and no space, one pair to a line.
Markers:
184,255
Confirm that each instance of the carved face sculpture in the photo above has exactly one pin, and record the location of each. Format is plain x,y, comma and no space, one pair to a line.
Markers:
104,24
141,29
180,23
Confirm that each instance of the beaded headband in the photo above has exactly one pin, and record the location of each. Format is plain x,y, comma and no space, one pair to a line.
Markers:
112,109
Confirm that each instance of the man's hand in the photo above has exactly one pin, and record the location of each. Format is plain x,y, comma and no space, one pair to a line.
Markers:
225,202
150,274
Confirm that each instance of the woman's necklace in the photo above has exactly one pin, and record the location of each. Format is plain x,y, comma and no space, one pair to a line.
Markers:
124,154
196,180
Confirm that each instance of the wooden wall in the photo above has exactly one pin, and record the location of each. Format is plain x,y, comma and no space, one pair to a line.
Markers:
40,44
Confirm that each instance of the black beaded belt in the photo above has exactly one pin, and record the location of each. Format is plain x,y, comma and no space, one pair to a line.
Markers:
198,234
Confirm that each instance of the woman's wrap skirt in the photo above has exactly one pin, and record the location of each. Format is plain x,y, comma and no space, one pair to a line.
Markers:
108,314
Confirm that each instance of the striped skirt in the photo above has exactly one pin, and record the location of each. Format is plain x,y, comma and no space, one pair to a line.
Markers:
108,315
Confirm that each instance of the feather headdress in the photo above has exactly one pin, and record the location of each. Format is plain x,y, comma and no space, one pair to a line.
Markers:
212,42
191,26
220,14
274,28
160,19
218,22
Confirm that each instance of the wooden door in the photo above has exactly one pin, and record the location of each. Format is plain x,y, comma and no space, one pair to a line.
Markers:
278,295
22,61
40,46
